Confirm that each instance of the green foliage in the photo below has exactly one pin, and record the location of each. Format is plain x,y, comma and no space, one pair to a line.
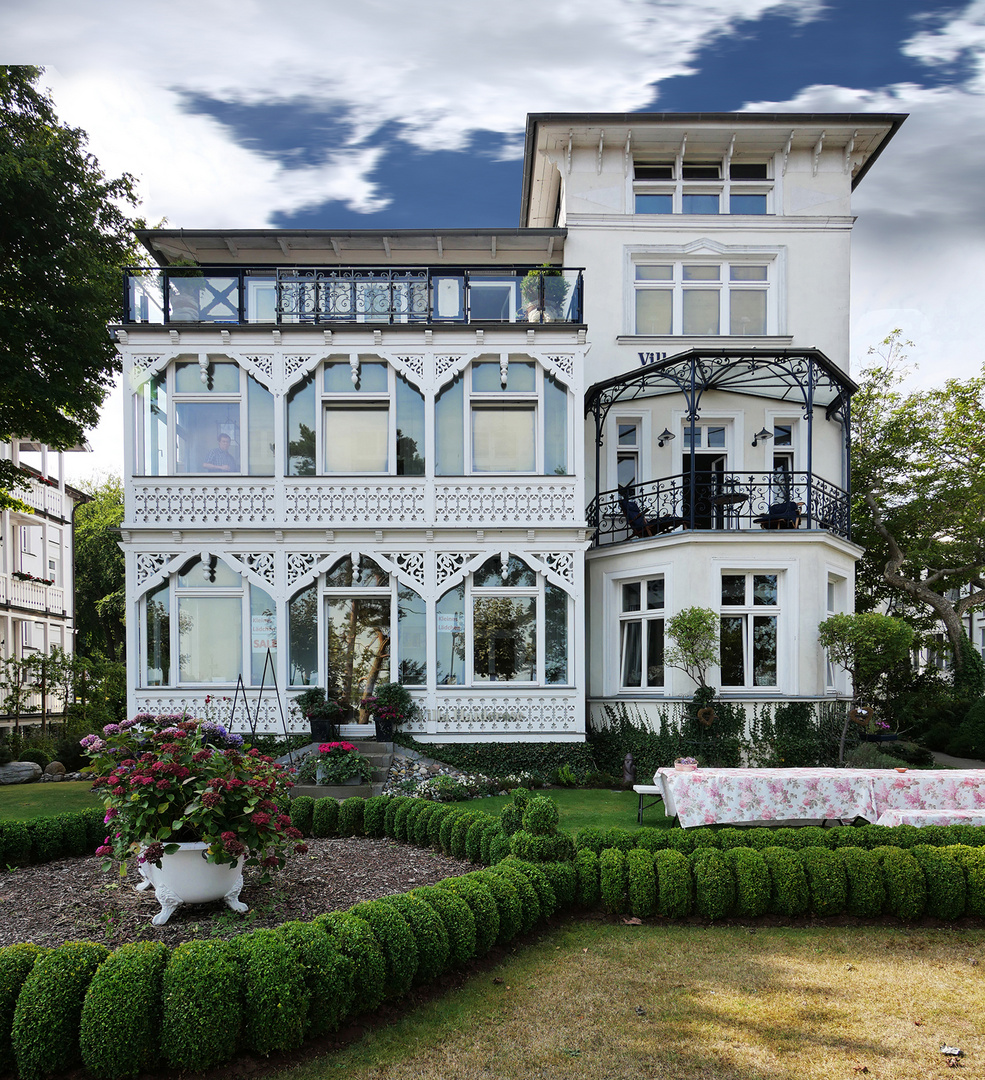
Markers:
485,847
459,831
45,1031
619,838
508,903
15,843
789,893
714,885
541,848
969,739
47,841
459,921
400,819
38,756
969,675
325,818
947,890
390,820
499,847
587,869
675,884
120,1027
642,877
506,758
438,815
73,834
483,906
511,818
396,941
694,635
866,889
410,823
752,880
354,939
541,817
429,932
374,816
529,900
16,962
865,644
612,880
590,838
351,816
972,862
302,813
826,880
100,585
473,838
906,886
564,881
274,993
423,822
202,983
328,975
536,876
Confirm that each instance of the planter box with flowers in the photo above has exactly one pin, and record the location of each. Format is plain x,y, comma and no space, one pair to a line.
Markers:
173,786
323,714
391,706
336,763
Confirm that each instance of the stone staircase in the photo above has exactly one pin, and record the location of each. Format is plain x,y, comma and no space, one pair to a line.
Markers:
380,756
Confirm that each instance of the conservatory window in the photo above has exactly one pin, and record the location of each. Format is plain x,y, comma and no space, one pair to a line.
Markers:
748,623
641,634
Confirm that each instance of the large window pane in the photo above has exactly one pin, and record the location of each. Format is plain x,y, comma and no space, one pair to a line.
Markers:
450,610
356,439
701,314
733,588
555,635
555,428
732,650
358,641
747,311
411,638
655,652
654,311
301,430
503,438
260,424
699,204
631,668
263,636
210,638
747,204
504,633
764,589
410,429
152,403
449,430
157,635
654,204
207,437
302,621
764,650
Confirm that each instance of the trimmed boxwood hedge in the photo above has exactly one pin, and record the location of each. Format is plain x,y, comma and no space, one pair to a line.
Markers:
866,888
529,901
396,940
587,871
457,916
354,938
508,903
546,896
202,1010
274,994
423,821
675,886
714,885
328,975
390,820
947,890
351,816
564,882
429,932
973,863
374,816
612,880
789,893
15,843
906,886
752,880
482,903
16,962
826,880
642,877
302,812
325,818
400,819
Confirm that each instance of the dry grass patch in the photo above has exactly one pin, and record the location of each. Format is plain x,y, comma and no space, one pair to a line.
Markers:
598,1001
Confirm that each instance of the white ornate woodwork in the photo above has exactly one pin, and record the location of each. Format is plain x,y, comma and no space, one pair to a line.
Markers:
518,503
452,564
560,563
351,504
413,565
152,564
173,503
465,713
262,564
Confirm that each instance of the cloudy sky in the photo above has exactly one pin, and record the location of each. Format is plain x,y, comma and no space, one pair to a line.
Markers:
251,114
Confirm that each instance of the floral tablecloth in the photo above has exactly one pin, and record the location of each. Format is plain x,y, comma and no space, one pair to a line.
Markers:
932,817
714,796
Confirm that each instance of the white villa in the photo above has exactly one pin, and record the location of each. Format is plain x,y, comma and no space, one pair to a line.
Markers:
490,463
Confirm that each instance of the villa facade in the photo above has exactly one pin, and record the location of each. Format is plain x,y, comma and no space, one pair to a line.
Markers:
491,463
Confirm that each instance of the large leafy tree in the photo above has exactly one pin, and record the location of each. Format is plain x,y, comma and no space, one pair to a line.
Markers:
99,572
918,475
64,237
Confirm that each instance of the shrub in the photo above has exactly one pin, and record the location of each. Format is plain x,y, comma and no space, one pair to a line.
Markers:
845,836
506,758
274,993
374,816
972,861
508,903
714,885
302,812
120,1028
417,807
46,839
438,815
95,826
863,875
429,932
529,901
612,880
45,1031
74,841
397,942
536,876
459,830
752,880
642,877
202,1005
675,884
682,840
390,821
328,975
563,881
947,890
37,755
400,819
591,838
351,816
499,847
619,838
587,871
541,817
826,880
325,818
354,938
788,883
16,962
457,916
473,837
906,887
650,839
15,843
483,906
422,821
532,848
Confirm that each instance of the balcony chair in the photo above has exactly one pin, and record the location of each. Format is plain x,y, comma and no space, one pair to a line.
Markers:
637,520
782,515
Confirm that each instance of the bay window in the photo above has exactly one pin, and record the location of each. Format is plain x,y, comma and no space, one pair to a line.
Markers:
750,611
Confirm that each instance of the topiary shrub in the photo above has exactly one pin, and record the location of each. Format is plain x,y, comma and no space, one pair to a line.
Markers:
483,906
529,901
473,837
459,921
789,894
826,880
499,847
619,838
752,881
587,872
536,876
37,755
508,903
682,840
397,942
274,993
45,1031
511,818
563,881
533,848
201,994
390,820
400,819
714,885
374,816
15,843
972,861
74,841
845,836
675,884
590,838
863,875
906,887
612,880
16,962
302,812
325,818
947,890
354,938
642,879
650,839
541,816
438,815
95,826
329,976
418,807
459,831
422,822
351,816
429,932
120,1030
447,824
46,839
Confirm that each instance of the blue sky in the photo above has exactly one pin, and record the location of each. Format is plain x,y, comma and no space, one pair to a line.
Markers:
390,115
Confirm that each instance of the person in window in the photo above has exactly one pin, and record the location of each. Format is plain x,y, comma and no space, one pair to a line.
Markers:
219,459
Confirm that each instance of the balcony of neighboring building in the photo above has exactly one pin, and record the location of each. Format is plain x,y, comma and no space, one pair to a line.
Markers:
331,296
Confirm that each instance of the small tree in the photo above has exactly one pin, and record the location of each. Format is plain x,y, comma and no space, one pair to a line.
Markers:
694,632
867,645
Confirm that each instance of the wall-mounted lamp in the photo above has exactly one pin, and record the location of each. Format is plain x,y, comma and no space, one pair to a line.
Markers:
664,437
761,436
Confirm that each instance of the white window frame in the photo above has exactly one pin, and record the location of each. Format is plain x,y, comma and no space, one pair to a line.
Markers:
526,399
724,186
640,450
747,611
644,616
835,598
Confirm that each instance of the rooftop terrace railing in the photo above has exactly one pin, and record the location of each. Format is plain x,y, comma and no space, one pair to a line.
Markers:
324,296
719,501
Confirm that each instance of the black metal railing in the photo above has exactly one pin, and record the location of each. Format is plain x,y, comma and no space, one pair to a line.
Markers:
300,296
719,500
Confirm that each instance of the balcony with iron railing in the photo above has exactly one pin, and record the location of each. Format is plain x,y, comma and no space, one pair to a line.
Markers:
328,296
757,502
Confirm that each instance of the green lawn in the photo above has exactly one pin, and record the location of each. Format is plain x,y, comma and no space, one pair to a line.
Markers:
588,806
21,801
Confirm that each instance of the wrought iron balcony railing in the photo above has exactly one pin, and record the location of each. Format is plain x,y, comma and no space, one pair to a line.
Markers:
301,296
719,500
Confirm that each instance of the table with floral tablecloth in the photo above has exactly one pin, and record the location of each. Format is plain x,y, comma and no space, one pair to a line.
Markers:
735,796
931,817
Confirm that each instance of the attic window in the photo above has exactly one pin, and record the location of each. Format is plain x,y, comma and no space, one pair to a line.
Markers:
702,171
748,170
645,171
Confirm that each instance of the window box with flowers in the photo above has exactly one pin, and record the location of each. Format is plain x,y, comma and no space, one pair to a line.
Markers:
23,575
193,804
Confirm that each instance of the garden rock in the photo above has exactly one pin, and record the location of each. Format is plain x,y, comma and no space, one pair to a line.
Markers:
20,772
55,768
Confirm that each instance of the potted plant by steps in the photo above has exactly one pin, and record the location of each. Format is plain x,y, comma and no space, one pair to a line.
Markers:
337,763
391,706
322,712
544,292
193,804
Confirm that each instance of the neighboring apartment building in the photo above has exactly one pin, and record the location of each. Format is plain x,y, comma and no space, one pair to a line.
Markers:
36,561
419,455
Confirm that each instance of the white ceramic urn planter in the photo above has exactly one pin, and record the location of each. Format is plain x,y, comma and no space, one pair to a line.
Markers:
186,877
